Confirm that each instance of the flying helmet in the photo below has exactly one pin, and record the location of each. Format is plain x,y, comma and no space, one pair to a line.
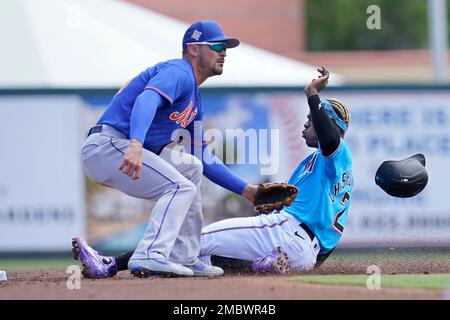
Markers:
403,178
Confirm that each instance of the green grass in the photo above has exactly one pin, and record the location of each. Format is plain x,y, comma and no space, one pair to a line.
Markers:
390,255
415,281
23,263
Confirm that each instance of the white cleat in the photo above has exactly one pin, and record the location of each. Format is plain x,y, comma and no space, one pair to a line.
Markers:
158,267
201,269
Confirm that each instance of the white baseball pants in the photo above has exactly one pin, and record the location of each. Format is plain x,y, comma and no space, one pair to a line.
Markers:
249,238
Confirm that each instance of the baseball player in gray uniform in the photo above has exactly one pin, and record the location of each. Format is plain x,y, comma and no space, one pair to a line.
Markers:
129,150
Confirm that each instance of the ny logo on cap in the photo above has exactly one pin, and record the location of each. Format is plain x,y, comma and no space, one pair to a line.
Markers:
196,35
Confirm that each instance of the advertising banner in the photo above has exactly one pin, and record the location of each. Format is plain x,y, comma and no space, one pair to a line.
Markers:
41,183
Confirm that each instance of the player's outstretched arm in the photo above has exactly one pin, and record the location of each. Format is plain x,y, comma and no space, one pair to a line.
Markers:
318,84
327,133
144,110
250,192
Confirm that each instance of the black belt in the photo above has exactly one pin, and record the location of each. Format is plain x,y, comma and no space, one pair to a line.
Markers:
95,129
99,128
308,231
161,148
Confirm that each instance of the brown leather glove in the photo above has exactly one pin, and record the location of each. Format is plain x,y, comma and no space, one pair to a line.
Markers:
274,196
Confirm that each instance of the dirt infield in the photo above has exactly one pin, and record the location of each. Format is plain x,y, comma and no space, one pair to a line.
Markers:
51,284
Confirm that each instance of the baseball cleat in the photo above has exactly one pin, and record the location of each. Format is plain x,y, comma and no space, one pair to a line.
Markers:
276,262
201,269
158,267
94,264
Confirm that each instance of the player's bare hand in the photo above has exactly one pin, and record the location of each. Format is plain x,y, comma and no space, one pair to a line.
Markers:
250,192
318,84
132,161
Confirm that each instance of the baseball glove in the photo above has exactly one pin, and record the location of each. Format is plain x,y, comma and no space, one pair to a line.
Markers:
273,196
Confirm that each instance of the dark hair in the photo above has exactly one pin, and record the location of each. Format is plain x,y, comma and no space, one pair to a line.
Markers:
340,109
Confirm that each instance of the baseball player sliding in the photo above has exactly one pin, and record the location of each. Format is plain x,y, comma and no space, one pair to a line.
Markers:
129,149
300,236
314,223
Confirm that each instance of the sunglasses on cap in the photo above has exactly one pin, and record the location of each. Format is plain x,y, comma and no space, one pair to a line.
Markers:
214,46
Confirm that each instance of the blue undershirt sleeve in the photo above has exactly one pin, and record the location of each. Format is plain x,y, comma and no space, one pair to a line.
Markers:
213,168
144,110
217,172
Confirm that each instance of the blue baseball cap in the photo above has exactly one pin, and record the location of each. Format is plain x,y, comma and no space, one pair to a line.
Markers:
208,31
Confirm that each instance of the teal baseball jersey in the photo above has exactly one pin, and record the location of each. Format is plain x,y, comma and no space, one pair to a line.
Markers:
325,187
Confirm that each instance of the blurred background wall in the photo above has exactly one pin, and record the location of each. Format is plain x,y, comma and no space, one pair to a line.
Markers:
328,31
62,61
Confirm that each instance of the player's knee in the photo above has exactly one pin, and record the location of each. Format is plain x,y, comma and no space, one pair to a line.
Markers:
197,169
187,186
